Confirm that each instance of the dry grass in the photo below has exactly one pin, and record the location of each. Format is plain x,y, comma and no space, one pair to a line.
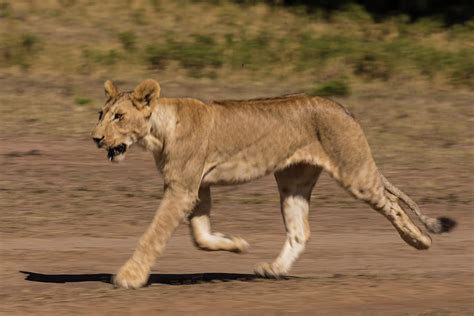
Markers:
230,42
66,49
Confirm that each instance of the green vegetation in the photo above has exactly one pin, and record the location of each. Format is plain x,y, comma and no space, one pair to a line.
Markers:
333,87
195,55
95,56
82,100
5,9
128,40
244,40
19,50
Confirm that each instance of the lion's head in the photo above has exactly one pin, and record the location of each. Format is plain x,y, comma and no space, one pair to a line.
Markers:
125,117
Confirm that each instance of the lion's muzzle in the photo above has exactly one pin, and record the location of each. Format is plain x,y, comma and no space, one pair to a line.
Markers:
118,150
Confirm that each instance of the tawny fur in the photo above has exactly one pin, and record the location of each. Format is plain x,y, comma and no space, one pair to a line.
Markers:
197,145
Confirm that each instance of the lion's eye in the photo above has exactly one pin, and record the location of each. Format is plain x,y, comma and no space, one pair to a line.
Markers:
118,116
100,115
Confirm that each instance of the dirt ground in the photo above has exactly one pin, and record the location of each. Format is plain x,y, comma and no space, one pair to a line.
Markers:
69,219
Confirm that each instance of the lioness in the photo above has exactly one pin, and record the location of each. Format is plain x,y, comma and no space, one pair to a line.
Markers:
197,145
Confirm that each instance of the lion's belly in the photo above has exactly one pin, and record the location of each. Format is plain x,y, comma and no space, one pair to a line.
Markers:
248,166
237,171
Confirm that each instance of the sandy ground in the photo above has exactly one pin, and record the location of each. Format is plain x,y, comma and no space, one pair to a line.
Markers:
69,219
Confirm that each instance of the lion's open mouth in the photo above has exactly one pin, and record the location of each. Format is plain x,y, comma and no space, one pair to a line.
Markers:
113,152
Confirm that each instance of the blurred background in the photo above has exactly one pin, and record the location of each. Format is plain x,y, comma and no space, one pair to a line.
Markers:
241,48
340,43
404,68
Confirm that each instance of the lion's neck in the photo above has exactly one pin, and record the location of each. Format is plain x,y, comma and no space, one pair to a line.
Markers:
162,123
151,143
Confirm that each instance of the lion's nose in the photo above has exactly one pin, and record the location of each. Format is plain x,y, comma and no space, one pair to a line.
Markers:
98,141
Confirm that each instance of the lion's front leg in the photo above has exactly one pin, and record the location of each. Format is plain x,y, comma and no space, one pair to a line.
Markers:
201,228
173,208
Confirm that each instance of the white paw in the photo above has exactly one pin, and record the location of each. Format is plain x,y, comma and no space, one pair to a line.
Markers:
267,270
131,275
241,245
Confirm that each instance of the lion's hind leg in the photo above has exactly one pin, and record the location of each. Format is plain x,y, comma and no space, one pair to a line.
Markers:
295,184
201,229
409,232
368,187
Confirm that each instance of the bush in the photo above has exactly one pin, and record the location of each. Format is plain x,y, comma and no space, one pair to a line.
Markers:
319,50
5,9
462,68
128,40
82,101
20,51
95,56
331,88
195,56
372,66
251,52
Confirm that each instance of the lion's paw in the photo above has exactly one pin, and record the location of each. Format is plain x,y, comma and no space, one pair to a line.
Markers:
267,270
131,275
241,245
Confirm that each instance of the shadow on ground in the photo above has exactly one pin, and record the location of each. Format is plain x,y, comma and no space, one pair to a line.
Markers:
170,279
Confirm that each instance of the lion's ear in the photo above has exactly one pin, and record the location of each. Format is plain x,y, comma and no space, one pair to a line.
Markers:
111,90
146,92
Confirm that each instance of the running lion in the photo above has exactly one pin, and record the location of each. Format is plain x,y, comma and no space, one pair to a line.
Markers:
197,145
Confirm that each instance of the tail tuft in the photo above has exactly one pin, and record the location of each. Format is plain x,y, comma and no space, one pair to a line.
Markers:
434,225
447,224
441,225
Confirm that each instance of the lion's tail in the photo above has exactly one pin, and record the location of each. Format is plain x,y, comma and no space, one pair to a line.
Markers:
434,225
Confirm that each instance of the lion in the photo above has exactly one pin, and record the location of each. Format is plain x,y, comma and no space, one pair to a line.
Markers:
197,145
